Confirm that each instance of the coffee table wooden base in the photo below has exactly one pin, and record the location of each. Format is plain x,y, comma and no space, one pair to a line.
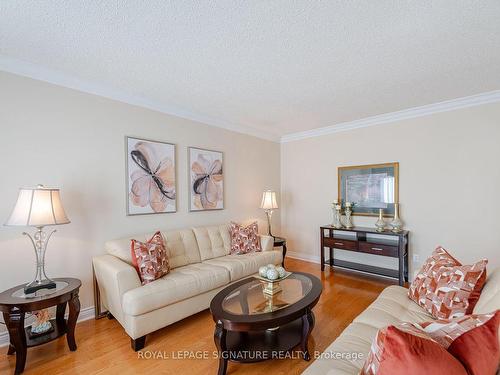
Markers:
257,346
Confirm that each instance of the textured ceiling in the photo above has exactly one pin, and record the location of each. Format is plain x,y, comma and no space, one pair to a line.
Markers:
276,66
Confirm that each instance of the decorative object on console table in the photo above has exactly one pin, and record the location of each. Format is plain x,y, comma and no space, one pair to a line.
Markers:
269,204
396,223
369,187
363,241
380,223
348,215
14,305
38,207
337,216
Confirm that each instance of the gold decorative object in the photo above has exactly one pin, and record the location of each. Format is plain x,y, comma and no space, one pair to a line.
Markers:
380,224
272,287
396,223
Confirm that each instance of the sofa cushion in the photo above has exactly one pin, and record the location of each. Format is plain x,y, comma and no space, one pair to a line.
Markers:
213,241
244,239
391,307
445,287
150,258
182,248
399,352
240,266
181,283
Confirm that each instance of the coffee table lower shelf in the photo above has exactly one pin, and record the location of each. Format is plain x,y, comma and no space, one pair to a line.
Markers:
257,346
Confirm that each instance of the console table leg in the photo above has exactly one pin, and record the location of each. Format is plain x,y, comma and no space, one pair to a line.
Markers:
307,326
15,324
74,311
284,254
220,342
11,349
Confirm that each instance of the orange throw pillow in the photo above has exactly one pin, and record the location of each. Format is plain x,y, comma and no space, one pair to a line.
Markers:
397,352
472,340
445,288
150,258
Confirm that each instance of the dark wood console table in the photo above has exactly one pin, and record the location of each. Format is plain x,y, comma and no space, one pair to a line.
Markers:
363,240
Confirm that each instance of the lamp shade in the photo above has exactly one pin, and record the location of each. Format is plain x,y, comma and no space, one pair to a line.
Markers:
38,207
269,200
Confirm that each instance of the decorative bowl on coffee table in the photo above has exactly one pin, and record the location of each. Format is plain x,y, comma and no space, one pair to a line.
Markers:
272,287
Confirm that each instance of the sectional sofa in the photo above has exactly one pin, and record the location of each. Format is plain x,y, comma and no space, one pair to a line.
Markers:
201,265
391,307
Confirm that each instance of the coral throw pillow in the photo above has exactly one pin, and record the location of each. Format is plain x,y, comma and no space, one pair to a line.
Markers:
394,351
244,240
440,347
445,288
150,258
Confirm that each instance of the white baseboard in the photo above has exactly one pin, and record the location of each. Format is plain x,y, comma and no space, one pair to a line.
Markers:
303,256
85,314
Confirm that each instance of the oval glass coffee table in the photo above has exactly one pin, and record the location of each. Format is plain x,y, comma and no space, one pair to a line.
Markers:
251,326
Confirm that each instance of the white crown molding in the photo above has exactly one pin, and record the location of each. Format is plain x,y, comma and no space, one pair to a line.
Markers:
85,314
405,114
27,69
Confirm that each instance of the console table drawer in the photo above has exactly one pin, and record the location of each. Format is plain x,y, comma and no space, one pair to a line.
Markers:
375,248
341,244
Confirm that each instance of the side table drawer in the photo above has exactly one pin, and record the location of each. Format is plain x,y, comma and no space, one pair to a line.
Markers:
375,248
341,244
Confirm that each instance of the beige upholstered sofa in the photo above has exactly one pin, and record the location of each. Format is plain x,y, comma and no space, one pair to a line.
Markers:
392,306
201,265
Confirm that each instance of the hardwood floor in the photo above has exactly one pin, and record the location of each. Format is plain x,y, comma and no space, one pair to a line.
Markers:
104,348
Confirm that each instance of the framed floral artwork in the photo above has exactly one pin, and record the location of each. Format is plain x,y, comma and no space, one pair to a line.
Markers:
206,180
151,185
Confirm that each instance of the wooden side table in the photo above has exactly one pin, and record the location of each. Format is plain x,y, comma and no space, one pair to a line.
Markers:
281,242
14,306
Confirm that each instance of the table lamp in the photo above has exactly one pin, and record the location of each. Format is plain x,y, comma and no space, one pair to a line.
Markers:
38,207
269,204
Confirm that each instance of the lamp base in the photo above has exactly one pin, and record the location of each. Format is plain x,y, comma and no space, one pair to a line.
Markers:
37,285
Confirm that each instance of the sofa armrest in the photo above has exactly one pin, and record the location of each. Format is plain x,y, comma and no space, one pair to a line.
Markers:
266,242
114,277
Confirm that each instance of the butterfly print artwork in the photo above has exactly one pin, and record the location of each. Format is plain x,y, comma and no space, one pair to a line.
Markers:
207,180
151,176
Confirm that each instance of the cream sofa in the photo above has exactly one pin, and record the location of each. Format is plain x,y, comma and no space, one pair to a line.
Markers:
201,265
392,306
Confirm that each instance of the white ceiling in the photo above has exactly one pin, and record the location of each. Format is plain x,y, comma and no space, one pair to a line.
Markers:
264,67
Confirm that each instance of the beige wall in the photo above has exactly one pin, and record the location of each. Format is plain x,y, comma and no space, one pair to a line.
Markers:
61,137
449,181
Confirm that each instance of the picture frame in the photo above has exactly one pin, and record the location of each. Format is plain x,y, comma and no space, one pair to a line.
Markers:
151,176
205,179
370,187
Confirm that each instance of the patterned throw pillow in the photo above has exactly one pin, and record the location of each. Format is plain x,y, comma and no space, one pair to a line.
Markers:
244,240
445,288
150,258
416,345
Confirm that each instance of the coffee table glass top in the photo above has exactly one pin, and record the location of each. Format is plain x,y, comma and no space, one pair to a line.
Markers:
249,299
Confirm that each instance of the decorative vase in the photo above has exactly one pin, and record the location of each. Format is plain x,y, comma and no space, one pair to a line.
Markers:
337,217
348,215
396,223
380,223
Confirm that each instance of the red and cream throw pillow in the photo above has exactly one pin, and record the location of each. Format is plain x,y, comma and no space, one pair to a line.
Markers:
150,258
445,288
438,347
244,239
